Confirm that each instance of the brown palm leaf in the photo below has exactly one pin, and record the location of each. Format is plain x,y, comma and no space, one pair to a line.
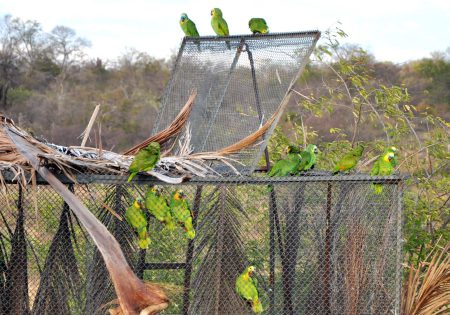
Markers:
426,291
134,296
172,130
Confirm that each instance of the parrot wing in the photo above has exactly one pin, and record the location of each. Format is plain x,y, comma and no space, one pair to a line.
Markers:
306,160
375,168
191,29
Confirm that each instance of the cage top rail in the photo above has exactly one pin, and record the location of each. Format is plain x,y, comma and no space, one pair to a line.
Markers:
89,178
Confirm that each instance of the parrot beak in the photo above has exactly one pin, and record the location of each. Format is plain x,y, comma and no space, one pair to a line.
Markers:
316,150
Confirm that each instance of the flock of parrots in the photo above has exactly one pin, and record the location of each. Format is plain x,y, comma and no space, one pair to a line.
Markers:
177,212
220,26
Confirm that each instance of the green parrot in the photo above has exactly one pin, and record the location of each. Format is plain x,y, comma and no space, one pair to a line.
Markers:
219,24
137,220
349,160
383,166
258,26
393,150
145,160
247,288
189,28
288,165
157,206
181,212
308,158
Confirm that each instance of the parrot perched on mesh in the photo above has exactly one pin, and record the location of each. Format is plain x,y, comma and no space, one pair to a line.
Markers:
247,288
137,220
308,158
383,166
258,26
288,165
349,160
157,206
219,25
189,28
145,160
181,212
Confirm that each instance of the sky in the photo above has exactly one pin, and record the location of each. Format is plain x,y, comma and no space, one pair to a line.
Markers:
392,30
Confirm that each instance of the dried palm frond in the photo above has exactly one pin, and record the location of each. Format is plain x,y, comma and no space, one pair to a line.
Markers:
99,287
114,307
134,295
172,130
426,290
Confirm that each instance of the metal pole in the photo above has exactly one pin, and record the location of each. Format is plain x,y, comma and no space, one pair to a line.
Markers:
190,253
327,268
258,100
398,191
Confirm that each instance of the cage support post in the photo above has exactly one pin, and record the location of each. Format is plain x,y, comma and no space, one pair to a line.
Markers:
258,100
291,247
190,252
169,87
273,212
398,191
222,96
327,268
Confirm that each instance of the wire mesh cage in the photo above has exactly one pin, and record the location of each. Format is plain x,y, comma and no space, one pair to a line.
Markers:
318,245
238,88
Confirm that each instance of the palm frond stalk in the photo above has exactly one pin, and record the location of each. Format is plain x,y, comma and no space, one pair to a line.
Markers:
99,288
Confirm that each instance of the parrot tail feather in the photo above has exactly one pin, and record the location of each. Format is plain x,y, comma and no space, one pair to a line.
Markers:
257,306
131,177
144,243
378,188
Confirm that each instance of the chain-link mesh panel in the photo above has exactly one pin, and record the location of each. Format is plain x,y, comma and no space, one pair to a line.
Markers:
314,245
239,88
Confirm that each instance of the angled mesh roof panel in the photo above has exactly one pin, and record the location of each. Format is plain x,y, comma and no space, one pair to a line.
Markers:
238,88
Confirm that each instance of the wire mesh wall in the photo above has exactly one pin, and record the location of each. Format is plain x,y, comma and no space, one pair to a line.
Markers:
239,88
316,244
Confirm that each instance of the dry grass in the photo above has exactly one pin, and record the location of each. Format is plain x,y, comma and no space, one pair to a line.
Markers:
426,291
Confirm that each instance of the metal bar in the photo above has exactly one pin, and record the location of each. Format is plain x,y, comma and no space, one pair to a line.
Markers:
327,261
219,104
272,209
258,101
269,36
398,191
291,248
169,87
164,266
232,180
190,252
